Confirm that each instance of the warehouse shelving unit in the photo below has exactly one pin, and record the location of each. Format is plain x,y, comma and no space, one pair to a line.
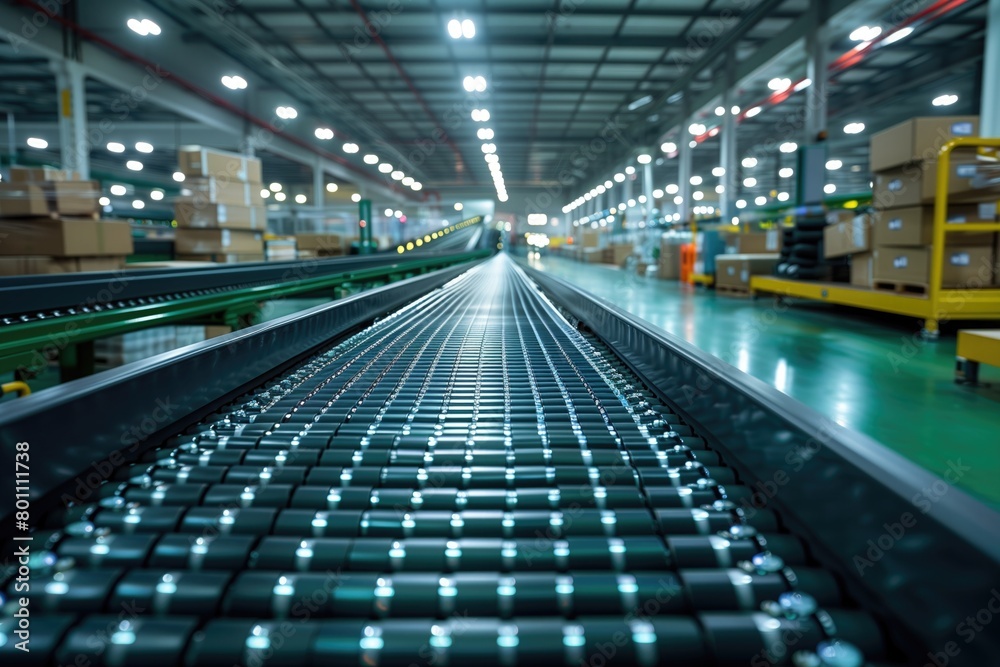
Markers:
939,304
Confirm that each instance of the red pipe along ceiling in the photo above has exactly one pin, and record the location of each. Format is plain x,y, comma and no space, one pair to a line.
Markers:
214,99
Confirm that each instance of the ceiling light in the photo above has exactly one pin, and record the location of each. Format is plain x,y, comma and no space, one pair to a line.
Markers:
480,115
944,100
786,172
398,175
397,214
749,182
280,196
644,159
642,199
118,190
300,199
778,84
720,111
696,129
678,200
385,168
355,198
741,203
719,189
455,29
630,170
719,171
693,144
697,195
865,33
144,147
144,27
332,187
783,196
672,189
696,180
134,165
657,194
601,189
641,102
854,128
104,201
833,165
749,162
802,85
735,110
179,177
408,181
760,201
484,133
275,187
608,184
138,204
324,133
35,142
156,195
265,193
668,147
829,188
752,112
417,186
788,147
234,82
492,158
115,147
468,29
288,113
631,202
474,84
489,148
619,177
351,148
459,206
371,159
902,33
388,212
588,196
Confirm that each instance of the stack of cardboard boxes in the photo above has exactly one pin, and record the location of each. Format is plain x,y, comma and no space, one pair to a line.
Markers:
904,160
49,223
220,213
322,245
849,234
747,254
668,266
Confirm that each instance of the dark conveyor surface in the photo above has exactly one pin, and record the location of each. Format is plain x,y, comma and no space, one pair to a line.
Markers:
470,481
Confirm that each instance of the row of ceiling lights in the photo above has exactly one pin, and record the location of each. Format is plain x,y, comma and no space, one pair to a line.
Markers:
147,27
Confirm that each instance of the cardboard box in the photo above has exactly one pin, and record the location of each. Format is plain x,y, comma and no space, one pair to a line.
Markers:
73,197
591,239
914,225
188,241
220,215
862,269
755,243
214,331
617,254
964,266
916,184
197,161
65,237
847,238
39,174
22,200
321,242
918,139
840,215
207,191
593,255
33,265
222,258
736,270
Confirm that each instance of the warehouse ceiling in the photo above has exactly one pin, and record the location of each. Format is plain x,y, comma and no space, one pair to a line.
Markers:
558,75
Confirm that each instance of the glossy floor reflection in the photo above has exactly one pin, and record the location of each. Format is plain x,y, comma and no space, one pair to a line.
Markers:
869,375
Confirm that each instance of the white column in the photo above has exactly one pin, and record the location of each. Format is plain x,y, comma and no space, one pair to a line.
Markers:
727,142
817,43
989,118
319,188
73,144
647,190
684,167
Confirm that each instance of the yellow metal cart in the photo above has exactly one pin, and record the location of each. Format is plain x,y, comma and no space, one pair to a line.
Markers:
938,304
976,347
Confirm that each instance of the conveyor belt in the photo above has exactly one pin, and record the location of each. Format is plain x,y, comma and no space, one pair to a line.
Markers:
470,481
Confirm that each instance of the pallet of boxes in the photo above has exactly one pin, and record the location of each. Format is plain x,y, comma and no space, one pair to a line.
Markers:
747,254
904,161
317,246
50,223
220,213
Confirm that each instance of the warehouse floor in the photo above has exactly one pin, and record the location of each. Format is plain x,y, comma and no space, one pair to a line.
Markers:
867,374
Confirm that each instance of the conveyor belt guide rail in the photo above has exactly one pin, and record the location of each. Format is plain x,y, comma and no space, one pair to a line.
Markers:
448,471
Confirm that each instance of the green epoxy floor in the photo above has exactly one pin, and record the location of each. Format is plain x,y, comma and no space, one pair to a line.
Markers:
868,373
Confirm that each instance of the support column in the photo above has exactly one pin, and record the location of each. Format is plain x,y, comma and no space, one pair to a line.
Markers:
73,143
319,190
365,227
727,142
817,44
684,166
989,118
626,197
647,190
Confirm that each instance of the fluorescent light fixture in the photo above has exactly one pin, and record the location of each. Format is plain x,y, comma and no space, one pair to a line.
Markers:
118,190
265,193
657,194
538,219
672,189
802,85
829,188
944,100
749,182
144,27
834,165
280,196
138,204
630,170
779,84
735,110
678,200
749,162
468,29
902,33
324,133
385,168
371,159
156,195
854,128
484,133
234,82
668,147
459,206
641,102
719,171
455,29
865,33
719,189
786,172
287,113
741,203
783,196
36,142
696,129
104,201
355,198
179,177
720,111
300,199
134,165
760,201
144,147
397,175
408,181
332,187
645,158
275,187
788,147
115,147
417,186
351,148
619,177
697,195
696,180
752,112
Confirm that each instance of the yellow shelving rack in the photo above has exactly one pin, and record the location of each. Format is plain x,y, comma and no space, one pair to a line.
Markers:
939,304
